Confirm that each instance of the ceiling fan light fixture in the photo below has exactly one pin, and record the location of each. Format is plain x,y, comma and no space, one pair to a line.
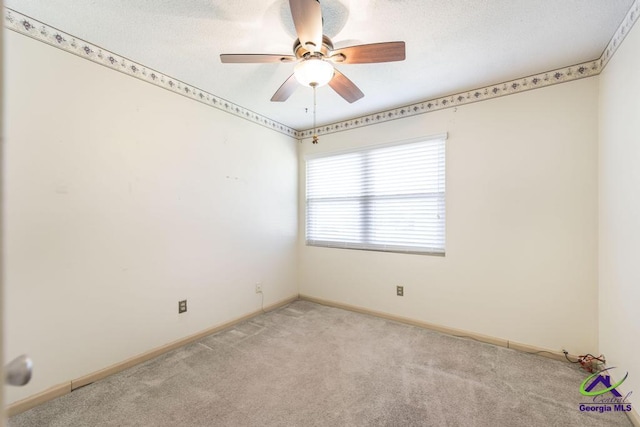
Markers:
313,72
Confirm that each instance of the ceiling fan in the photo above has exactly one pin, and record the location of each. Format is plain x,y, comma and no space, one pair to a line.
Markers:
315,55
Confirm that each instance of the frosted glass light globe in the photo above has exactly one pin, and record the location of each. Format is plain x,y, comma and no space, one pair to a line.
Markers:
313,72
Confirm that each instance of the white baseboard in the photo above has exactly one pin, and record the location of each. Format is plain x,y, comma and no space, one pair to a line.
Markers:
67,387
38,399
632,415
502,342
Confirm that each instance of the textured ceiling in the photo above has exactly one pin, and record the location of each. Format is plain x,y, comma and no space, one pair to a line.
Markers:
451,46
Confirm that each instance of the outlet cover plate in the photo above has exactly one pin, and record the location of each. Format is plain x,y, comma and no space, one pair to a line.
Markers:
400,291
182,306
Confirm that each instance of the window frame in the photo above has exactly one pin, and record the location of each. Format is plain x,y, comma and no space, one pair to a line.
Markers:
369,246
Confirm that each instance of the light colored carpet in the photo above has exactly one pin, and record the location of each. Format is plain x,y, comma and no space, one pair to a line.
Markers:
311,365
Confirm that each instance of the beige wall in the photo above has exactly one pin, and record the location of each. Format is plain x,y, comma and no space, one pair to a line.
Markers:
521,249
121,199
619,156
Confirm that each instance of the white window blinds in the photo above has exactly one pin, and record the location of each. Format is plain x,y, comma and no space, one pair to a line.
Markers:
389,198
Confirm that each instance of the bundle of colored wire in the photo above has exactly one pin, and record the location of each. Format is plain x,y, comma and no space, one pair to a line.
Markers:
589,362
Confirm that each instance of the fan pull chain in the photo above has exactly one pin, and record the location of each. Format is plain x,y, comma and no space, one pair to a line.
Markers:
314,140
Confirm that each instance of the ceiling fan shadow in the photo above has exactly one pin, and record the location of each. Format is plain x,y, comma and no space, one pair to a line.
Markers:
334,12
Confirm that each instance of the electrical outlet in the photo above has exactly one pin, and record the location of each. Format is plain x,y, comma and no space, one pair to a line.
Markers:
400,291
258,288
182,306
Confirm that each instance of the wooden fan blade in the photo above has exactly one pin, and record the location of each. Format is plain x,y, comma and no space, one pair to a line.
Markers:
254,58
345,87
286,90
369,53
307,17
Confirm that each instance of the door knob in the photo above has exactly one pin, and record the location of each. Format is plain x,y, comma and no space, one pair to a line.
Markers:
18,371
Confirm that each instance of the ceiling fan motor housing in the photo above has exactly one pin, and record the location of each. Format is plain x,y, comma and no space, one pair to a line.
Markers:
301,52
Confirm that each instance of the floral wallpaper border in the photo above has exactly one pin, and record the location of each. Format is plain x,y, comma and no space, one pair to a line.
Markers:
621,33
28,26
560,75
35,29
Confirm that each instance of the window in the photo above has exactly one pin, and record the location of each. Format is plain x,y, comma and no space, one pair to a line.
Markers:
385,198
